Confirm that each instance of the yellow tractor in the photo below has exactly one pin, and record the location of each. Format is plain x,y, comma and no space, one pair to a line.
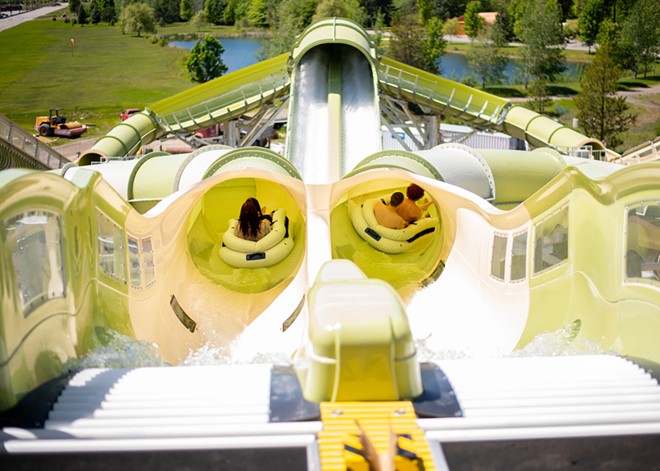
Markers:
55,124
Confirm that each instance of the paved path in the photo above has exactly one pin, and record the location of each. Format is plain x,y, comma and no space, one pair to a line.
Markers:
17,18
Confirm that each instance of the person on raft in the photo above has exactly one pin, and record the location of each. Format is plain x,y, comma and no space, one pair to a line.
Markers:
386,214
252,224
409,210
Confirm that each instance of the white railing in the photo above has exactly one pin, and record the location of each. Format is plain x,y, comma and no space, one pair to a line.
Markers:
646,152
26,148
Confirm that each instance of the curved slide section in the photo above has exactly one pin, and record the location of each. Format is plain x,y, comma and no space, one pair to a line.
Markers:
477,107
146,259
212,102
482,284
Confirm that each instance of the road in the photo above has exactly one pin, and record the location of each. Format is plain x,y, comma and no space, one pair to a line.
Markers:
18,18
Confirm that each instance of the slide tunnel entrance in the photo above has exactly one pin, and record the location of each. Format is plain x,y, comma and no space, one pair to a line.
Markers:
211,218
406,261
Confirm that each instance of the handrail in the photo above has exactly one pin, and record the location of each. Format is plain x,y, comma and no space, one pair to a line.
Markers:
24,150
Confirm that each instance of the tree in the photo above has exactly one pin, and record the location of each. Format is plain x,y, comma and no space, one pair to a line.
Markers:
451,27
108,12
540,101
474,24
602,114
74,5
640,34
413,44
289,19
258,13
486,58
350,9
136,18
543,50
235,11
82,15
214,10
95,12
186,10
589,21
375,9
165,11
199,20
425,10
205,62
622,53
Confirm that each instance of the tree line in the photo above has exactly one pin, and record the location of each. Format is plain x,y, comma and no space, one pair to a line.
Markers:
413,31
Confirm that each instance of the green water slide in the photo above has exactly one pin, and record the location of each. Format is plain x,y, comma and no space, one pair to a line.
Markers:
219,100
477,107
228,97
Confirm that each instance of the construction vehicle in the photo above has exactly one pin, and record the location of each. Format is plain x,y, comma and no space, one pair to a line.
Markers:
55,124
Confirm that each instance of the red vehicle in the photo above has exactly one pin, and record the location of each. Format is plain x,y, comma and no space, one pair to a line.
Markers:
124,115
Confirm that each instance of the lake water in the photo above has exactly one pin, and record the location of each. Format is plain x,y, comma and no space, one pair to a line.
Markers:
242,52
455,67
239,52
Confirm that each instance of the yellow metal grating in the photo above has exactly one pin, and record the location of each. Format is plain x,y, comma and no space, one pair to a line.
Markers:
340,446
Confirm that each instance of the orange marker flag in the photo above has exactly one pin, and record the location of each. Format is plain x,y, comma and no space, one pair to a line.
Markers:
73,42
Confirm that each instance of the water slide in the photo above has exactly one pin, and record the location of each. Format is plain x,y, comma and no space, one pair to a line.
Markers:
517,244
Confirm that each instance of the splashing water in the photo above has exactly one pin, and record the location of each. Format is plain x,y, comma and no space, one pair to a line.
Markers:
561,342
114,350
210,354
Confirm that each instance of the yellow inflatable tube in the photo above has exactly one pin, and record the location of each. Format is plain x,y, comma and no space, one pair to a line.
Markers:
267,251
385,239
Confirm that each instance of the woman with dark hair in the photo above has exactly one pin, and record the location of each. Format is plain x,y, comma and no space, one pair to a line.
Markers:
250,225
408,209
267,217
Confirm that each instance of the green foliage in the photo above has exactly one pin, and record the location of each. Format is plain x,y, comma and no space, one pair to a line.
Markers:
350,9
571,28
416,45
137,18
108,12
186,10
234,11
82,15
95,13
640,35
290,18
377,10
540,101
205,60
199,20
435,45
451,27
486,59
602,114
589,21
257,13
214,10
543,50
474,24
74,5
425,10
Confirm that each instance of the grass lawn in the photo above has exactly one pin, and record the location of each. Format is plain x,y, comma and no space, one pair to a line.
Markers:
93,81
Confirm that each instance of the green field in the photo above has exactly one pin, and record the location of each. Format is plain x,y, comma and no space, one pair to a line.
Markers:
93,81
106,72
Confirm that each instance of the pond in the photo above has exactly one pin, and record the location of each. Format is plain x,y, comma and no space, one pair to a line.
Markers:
239,52
455,66
242,52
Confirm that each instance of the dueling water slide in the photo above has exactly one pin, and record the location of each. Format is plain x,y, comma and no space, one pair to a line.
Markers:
367,319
